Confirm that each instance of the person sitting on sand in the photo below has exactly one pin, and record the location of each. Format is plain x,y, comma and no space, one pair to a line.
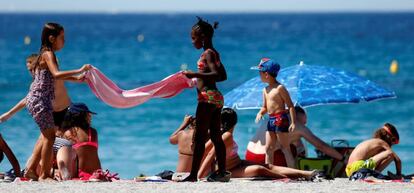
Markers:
4,148
256,149
376,154
241,168
183,137
77,126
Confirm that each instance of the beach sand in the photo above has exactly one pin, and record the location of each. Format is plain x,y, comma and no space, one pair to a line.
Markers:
339,185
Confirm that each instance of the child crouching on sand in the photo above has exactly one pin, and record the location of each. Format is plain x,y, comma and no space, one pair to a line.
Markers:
376,153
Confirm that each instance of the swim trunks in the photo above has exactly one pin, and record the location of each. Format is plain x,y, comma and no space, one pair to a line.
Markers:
59,116
357,165
278,122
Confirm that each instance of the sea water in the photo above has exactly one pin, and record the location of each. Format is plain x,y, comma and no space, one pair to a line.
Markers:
138,49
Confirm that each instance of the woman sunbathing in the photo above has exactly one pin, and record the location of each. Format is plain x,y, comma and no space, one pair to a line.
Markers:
77,126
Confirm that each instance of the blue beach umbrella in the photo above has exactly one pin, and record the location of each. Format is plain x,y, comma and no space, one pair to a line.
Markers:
310,85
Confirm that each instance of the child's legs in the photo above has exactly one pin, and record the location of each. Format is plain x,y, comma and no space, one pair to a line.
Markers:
283,138
270,146
46,152
4,148
382,160
65,159
203,118
33,162
215,136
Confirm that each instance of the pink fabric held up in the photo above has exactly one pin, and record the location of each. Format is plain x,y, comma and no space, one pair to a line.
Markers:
111,94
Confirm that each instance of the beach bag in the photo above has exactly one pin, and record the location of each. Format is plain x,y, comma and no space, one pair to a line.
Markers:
309,164
338,167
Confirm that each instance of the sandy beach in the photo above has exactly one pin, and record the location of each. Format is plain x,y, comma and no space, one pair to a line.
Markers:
340,185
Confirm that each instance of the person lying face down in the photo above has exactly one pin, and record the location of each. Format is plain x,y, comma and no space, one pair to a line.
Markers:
256,149
376,153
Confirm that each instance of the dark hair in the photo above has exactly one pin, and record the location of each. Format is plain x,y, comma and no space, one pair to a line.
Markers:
299,109
75,119
32,56
204,27
193,124
383,134
228,119
50,29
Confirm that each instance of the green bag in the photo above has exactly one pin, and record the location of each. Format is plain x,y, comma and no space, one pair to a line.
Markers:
315,164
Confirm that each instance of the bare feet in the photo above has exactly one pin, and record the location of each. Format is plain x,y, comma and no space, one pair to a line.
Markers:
30,174
48,179
189,179
317,175
219,176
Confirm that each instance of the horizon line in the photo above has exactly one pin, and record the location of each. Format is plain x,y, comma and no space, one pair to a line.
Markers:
209,12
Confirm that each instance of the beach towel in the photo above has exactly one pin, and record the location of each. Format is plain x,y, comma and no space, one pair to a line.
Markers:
364,173
111,94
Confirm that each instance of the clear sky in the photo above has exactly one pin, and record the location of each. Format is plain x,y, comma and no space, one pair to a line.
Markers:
171,6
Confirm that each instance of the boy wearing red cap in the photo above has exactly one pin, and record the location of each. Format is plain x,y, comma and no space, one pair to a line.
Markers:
275,100
376,154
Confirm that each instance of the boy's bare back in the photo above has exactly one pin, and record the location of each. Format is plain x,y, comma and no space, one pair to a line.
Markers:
368,149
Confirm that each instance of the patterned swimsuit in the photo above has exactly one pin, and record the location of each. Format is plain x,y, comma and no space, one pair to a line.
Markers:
39,99
211,96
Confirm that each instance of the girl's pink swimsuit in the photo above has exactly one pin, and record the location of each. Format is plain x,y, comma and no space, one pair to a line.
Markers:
89,142
82,174
39,99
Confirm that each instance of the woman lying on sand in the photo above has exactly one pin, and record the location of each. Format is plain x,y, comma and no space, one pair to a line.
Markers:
238,168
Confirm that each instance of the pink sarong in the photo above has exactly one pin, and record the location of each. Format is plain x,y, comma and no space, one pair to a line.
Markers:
114,96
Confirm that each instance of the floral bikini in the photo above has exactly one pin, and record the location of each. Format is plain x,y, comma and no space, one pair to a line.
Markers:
211,96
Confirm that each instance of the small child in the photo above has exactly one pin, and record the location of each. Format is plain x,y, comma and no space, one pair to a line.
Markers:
30,64
39,100
275,100
376,153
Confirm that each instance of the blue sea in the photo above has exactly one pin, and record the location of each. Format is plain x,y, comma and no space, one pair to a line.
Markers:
138,49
